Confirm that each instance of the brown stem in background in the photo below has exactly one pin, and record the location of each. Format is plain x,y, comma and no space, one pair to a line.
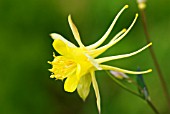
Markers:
157,66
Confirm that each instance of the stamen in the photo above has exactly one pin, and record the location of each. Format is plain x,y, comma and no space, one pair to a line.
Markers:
52,76
54,55
75,31
98,43
105,59
49,62
62,67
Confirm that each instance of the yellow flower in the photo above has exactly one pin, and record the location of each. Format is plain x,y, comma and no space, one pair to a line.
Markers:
78,64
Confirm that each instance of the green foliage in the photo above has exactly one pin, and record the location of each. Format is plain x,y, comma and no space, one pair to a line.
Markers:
25,47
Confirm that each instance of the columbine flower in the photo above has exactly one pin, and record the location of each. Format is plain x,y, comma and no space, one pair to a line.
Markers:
78,64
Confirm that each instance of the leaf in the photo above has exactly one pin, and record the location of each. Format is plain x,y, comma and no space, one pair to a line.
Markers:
142,87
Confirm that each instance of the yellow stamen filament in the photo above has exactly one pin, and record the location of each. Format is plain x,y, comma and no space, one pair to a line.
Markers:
61,67
106,67
98,43
54,55
75,31
105,59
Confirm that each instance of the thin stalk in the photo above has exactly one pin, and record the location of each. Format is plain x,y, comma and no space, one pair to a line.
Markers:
157,66
152,106
122,85
133,92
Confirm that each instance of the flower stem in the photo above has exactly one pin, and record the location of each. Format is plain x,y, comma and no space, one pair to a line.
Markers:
157,66
122,85
152,106
134,93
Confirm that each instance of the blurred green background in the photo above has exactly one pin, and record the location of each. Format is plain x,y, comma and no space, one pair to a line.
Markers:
25,48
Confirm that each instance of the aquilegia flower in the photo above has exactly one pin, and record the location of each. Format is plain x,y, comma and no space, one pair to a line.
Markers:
77,65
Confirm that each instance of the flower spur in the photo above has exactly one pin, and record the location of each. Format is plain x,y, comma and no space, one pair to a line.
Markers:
78,64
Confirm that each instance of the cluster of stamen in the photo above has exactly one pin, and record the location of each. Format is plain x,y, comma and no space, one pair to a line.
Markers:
61,67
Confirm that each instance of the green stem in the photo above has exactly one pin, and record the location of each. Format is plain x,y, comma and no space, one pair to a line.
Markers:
152,106
123,86
133,92
157,66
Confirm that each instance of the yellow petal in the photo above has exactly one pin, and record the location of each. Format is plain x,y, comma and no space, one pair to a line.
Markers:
106,67
58,36
93,62
60,47
95,52
98,43
78,71
122,36
75,31
96,89
83,87
71,83
105,59
100,50
63,48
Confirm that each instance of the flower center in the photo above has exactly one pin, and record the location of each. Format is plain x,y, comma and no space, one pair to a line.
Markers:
62,67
